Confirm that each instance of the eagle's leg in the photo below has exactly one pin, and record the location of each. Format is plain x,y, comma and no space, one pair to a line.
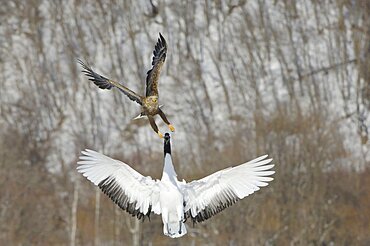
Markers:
154,126
164,118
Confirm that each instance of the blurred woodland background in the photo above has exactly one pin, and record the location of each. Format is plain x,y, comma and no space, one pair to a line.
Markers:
241,79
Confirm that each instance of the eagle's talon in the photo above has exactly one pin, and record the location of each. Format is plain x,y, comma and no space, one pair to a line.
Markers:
160,134
172,128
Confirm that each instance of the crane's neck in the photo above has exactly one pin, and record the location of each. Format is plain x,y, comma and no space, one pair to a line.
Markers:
169,172
168,169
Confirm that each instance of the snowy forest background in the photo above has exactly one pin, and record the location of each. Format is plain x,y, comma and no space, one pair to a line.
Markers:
241,79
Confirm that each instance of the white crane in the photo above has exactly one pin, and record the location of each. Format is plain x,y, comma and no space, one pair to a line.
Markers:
176,201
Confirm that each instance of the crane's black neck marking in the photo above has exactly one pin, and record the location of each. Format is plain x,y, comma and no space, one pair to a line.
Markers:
167,144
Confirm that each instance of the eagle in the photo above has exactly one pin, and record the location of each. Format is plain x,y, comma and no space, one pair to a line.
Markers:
149,104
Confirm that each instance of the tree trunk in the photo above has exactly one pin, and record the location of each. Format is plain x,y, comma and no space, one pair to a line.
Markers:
74,214
135,231
117,225
97,214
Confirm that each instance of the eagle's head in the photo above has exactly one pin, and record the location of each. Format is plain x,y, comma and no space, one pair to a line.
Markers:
153,99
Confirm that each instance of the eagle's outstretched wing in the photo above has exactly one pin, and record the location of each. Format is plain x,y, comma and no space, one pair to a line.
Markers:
159,56
105,83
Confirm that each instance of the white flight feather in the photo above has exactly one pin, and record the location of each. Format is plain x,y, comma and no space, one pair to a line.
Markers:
144,191
227,184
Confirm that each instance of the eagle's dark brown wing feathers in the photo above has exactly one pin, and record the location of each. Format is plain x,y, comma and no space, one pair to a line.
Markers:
105,83
101,81
159,56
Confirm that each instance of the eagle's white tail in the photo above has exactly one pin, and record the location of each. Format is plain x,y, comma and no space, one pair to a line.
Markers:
141,115
174,229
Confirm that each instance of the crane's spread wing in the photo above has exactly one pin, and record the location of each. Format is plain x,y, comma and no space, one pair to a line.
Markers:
105,83
159,56
130,190
212,194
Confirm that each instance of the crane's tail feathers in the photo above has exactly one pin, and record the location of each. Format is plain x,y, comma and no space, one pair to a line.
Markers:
174,229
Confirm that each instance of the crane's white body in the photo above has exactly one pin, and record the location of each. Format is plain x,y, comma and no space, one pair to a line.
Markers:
174,200
171,201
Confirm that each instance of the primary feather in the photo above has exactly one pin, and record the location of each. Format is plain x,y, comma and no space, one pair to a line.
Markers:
105,83
159,57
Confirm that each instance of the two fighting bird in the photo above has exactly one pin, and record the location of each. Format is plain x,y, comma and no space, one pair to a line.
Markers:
175,200
149,104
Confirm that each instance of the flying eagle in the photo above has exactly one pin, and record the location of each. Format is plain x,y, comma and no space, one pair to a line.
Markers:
177,201
149,103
